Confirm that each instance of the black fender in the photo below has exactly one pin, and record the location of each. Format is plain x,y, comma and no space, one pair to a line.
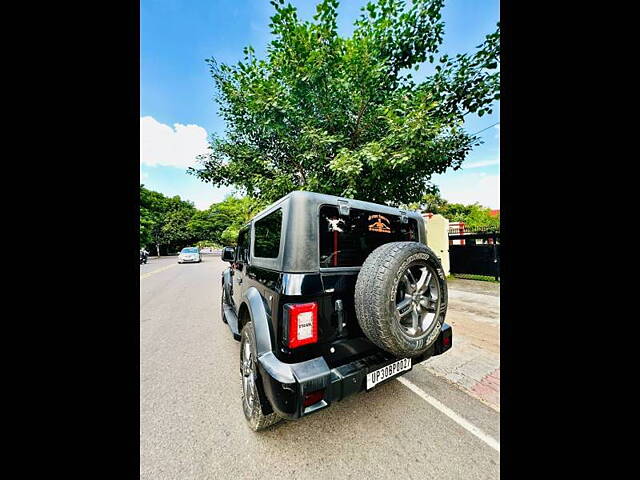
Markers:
227,283
260,316
260,319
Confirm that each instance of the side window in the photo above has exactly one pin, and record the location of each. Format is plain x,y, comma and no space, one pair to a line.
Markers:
242,252
267,235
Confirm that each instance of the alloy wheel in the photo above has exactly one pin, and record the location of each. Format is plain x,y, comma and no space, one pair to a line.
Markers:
417,299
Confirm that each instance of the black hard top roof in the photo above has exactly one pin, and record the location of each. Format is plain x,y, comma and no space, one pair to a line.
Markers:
299,246
324,199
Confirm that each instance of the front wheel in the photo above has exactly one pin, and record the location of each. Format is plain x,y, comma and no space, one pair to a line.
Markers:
252,404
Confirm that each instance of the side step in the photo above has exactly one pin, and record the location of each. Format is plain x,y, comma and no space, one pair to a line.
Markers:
232,320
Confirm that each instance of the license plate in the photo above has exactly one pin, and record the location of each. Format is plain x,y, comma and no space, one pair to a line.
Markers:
388,371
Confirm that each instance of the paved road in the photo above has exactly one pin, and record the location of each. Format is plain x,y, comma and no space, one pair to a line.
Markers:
191,421
473,364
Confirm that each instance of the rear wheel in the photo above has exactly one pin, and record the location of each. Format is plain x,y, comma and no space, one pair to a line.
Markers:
252,404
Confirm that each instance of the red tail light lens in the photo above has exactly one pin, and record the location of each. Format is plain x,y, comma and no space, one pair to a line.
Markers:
313,398
302,324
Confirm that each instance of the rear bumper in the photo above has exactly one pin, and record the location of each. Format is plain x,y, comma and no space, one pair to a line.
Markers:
286,384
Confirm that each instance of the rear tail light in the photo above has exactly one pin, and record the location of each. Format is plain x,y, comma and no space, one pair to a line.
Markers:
302,324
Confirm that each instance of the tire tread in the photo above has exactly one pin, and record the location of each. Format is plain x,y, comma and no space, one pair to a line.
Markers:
372,287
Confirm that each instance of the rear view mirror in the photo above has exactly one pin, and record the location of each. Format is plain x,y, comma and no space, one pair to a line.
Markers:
228,254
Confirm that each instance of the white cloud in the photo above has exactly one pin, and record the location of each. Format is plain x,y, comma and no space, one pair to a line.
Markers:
486,191
161,144
458,187
482,163
203,198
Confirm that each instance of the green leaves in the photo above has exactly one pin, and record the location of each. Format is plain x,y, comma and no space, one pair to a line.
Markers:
176,223
163,220
342,115
474,216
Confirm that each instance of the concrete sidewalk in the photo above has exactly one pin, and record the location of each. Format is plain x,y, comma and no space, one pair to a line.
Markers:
473,363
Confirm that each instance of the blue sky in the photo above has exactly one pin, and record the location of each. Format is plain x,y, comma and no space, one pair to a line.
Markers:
177,110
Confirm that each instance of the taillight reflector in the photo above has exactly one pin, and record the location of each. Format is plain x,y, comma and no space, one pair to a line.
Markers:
313,398
303,324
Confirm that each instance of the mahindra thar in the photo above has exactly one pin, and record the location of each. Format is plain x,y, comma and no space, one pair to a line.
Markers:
329,297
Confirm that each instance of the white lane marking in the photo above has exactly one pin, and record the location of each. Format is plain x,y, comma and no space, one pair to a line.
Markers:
147,275
492,442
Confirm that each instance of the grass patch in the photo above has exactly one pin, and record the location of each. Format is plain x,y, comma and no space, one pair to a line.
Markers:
467,276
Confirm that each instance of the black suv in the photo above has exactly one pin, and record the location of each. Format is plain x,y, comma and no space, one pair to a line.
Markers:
328,297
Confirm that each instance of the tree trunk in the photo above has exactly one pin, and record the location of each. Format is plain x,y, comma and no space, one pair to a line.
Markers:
158,249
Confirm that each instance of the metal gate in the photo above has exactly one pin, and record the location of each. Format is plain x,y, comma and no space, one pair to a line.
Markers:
475,252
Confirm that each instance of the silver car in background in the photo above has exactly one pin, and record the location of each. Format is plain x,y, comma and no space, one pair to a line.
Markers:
189,255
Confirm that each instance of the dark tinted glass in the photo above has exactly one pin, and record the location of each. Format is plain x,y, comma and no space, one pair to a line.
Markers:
346,241
267,236
242,252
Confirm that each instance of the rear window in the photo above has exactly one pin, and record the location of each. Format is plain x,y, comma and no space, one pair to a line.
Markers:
346,241
267,235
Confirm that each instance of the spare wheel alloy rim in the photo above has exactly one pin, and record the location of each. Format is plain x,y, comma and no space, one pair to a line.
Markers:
417,301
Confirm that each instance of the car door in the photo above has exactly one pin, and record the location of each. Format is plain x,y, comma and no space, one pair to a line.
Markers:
240,264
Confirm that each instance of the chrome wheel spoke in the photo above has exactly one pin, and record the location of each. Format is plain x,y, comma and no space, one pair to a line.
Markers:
423,276
411,279
414,319
409,287
423,283
248,388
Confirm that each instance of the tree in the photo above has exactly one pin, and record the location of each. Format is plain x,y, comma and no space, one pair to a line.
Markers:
175,228
232,214
162,218
430,202
343,115
146,224
230,235
474,216
220,223
207,244
205,225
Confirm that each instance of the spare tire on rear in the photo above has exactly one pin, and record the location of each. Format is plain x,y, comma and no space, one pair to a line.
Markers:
401,298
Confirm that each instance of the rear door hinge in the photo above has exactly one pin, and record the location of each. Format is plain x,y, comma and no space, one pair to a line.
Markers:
343,207
338,309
